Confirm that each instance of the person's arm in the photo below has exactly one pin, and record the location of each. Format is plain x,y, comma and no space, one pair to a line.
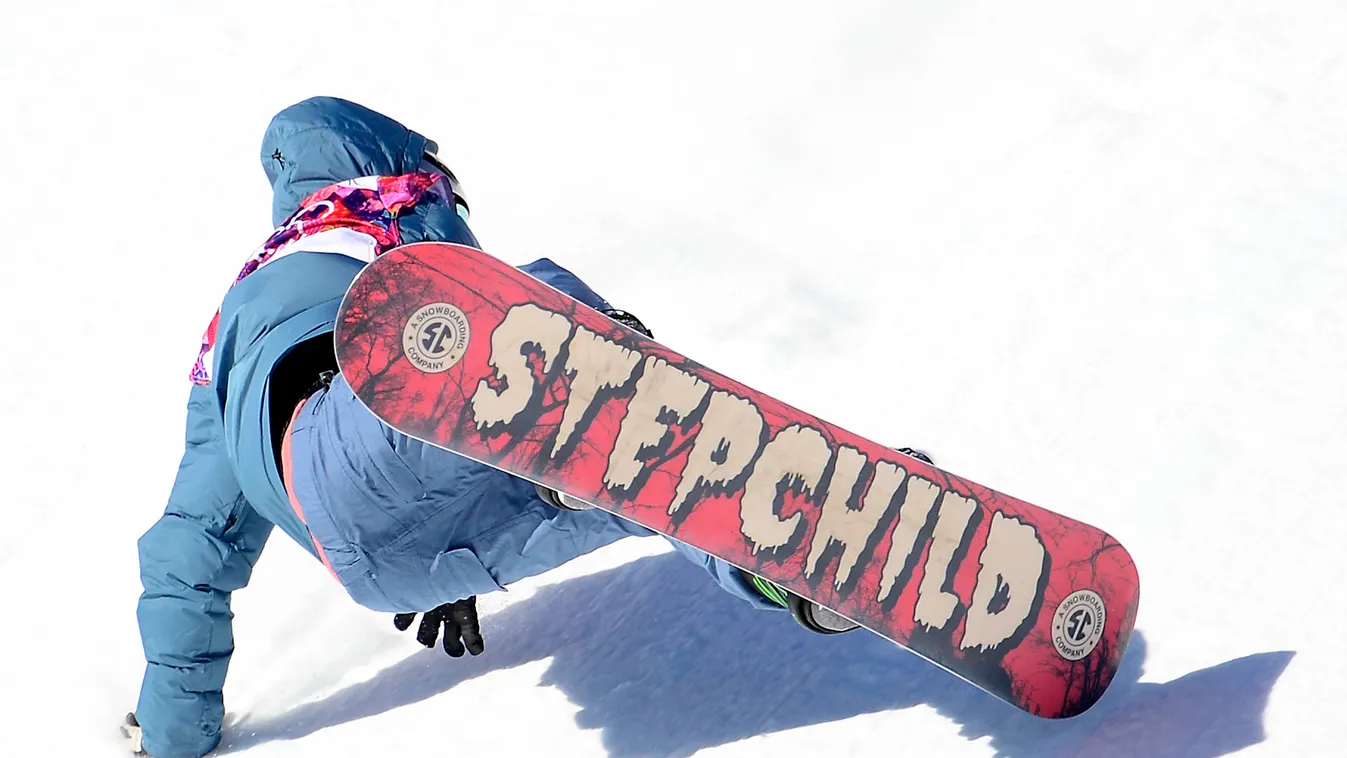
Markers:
202,549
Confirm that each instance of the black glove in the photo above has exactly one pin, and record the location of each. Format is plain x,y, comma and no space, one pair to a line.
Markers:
460,623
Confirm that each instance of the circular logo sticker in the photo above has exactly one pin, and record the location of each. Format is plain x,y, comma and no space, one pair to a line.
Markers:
435,337
1078,624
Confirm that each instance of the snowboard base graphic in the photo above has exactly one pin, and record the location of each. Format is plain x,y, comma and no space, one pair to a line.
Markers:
453,347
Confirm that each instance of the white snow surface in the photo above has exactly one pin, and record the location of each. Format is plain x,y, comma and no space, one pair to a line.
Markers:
1091,254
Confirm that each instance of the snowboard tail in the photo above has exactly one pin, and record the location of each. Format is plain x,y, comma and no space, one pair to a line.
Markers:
449,345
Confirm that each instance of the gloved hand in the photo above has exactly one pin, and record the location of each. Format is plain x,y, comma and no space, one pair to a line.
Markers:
460,627
131,735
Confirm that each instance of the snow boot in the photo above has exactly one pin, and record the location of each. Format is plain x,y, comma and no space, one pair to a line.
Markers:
809,615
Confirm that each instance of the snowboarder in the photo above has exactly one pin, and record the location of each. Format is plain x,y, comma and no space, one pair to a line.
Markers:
275,438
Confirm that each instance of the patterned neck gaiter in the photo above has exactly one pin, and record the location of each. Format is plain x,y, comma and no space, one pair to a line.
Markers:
357,218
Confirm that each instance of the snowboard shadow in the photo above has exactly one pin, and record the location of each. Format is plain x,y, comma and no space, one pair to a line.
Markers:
1203,714
665,665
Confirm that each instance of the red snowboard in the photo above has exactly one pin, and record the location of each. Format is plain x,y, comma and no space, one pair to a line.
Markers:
454,347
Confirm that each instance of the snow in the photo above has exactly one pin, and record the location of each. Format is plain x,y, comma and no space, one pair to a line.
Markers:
1090,254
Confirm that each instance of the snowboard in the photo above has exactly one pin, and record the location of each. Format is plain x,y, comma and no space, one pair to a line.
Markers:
453,347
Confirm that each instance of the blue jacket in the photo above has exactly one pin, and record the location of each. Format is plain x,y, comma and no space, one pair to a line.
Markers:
227,495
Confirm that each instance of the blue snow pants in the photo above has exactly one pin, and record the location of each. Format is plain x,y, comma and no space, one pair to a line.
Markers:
407,526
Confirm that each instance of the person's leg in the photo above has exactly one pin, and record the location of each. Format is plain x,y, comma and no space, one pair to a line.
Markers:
765,595
410,526
729,578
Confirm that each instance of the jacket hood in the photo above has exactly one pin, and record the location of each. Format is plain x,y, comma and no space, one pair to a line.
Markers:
325,140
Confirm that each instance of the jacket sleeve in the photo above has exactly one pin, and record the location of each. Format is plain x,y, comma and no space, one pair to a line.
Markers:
202,549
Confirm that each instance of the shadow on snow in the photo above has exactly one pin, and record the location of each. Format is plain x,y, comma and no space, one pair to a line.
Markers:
665,665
